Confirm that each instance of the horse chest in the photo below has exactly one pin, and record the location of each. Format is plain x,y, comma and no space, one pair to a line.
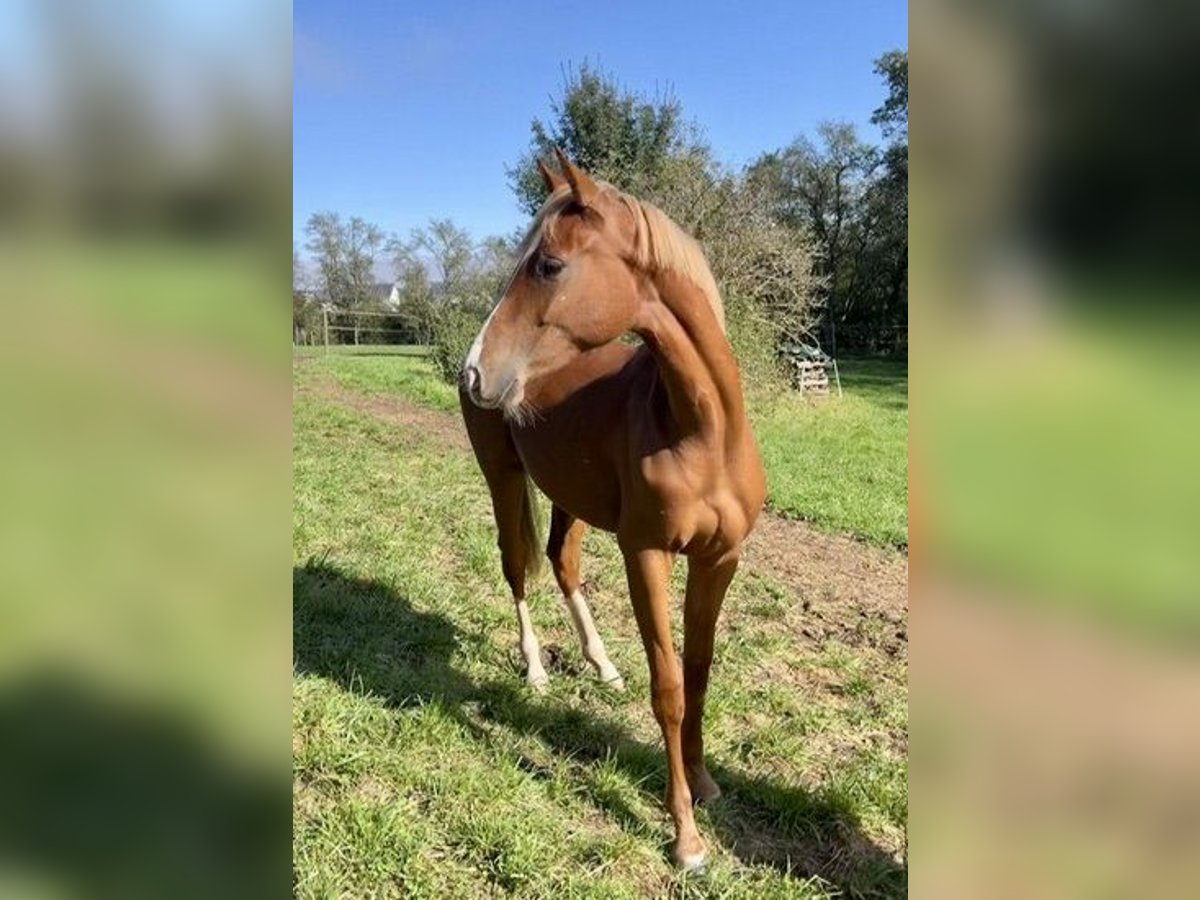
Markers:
678,502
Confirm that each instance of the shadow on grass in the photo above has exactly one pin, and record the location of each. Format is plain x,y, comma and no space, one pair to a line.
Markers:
366,637
104,797
882,382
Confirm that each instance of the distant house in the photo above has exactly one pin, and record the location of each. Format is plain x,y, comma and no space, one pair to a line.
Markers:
387,293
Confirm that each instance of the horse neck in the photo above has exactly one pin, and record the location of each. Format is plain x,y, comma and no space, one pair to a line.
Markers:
697,365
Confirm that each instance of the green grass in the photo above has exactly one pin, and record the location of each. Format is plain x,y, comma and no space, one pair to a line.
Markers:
406,375
424,768
840,463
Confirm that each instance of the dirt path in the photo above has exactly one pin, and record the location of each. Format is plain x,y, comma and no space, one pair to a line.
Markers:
851,591
444,427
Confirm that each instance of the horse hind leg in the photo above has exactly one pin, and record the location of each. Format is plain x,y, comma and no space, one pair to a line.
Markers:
564,549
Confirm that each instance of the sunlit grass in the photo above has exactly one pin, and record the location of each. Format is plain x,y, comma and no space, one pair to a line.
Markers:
838,462
841,462
424,768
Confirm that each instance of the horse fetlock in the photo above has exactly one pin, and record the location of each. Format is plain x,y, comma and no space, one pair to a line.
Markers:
596,654
703,788
611,677
537,678
535,672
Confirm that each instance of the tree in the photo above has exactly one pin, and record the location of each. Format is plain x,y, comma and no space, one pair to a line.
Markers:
892,115
822,187
441,248
889,195
305,312
612,133
448,311
853,198
344,254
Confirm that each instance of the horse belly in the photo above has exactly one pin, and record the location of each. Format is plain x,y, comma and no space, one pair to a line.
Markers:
576,479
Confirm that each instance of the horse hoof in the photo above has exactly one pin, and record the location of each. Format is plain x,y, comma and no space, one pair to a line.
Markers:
692,863
538,683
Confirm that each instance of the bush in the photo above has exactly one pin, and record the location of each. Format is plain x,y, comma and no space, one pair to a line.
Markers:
452,330
753,341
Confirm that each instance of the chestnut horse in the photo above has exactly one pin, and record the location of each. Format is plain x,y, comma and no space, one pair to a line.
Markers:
650,441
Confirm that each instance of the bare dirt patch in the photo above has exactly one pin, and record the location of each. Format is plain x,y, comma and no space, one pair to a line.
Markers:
850,591
443,427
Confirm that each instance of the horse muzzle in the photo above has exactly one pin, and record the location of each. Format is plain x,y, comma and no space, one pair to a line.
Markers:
473,384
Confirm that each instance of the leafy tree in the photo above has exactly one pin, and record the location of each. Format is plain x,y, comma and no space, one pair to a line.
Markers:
889,194
822,188
344,254
448,282
441,248
892,115
853,199
609,131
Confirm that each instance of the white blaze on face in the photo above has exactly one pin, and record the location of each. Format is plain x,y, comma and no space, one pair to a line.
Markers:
477,345
526,249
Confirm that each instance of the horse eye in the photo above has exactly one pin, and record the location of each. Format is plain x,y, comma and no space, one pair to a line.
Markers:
548,267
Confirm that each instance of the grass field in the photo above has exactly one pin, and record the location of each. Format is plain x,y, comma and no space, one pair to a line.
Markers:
842,465
424,768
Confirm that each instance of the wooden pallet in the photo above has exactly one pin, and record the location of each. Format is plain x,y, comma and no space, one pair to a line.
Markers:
814,379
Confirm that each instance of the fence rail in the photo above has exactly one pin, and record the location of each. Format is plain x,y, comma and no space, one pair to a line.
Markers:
338,329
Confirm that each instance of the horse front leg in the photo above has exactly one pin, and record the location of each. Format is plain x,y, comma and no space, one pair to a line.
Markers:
515,517
706,586
510,504
648,572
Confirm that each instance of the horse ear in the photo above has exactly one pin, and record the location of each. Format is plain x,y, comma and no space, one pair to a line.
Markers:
553,180
582,186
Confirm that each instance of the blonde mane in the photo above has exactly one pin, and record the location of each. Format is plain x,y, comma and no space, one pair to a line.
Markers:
662,246
659,244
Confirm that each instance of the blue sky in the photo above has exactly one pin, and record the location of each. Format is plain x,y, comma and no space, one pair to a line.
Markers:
406,111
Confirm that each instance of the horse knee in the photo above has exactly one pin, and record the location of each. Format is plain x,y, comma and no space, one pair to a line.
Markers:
667,701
